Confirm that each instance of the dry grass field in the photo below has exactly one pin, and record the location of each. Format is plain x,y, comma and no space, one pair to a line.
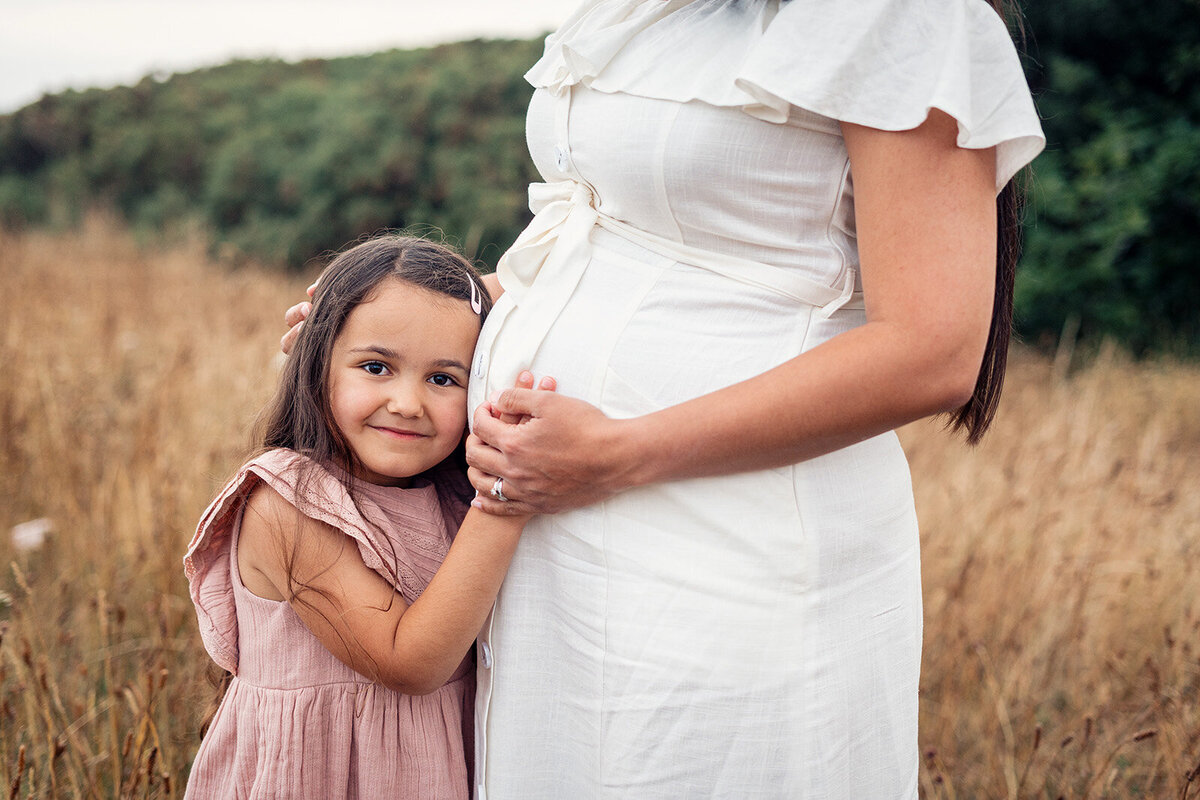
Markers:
1061,557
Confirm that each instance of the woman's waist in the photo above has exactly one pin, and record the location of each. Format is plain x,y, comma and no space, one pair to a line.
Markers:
580,277
815,276
665,330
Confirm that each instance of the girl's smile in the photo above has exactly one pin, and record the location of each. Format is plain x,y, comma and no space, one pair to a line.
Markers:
399,434
398,378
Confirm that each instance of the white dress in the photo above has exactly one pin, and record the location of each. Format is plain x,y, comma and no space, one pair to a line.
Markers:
757,635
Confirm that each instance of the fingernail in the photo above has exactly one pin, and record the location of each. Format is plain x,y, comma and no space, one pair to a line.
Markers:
494,397
477,503
525,377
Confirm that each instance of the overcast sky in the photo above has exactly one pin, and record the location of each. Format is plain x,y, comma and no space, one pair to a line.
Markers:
50,45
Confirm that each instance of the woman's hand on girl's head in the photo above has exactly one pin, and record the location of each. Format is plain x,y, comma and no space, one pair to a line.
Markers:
563,454
293,318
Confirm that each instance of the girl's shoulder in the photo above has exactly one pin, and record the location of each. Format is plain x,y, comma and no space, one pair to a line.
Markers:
207,562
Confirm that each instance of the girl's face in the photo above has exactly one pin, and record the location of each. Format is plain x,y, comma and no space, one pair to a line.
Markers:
398,380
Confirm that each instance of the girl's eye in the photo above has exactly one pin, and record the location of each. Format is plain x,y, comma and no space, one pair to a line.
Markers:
442,379
375,368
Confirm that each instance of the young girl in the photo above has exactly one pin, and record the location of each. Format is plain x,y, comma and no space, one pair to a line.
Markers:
315,566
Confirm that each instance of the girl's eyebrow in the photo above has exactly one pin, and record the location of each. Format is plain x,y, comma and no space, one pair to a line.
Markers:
450,362
378,349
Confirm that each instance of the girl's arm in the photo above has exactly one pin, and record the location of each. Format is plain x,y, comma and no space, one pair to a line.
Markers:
355,613
926,220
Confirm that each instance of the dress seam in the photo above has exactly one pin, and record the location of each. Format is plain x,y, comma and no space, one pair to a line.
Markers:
660,173
835,207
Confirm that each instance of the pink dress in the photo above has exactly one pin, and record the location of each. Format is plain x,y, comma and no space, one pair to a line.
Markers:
296,722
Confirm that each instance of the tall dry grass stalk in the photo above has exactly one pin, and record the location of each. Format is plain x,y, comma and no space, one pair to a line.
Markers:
1062,588
129,381
1062,557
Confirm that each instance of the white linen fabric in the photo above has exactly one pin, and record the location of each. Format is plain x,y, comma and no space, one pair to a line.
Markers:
756,635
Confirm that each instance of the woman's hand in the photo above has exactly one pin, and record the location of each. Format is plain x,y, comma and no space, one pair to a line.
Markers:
294,317
563,453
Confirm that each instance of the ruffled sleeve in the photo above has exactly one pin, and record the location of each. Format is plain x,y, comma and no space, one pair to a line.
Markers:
406,558
879,63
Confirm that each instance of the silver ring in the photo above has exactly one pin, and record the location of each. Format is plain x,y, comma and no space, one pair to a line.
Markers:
498,490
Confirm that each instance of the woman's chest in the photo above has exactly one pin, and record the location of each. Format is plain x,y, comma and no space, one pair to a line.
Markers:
695,173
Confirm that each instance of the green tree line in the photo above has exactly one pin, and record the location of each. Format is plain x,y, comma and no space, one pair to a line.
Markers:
1113,233
281,162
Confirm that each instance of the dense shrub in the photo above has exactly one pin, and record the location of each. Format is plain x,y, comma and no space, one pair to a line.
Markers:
284,161
1113,242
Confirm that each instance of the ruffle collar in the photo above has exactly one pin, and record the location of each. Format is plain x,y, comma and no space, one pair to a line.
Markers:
403,534
880,63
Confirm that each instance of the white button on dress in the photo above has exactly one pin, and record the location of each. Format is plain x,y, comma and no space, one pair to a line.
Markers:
485,655
756,635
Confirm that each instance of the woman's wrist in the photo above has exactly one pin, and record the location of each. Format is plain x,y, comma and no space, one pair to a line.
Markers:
631,458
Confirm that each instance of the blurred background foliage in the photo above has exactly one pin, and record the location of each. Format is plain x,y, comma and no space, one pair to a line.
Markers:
280,162
1113,239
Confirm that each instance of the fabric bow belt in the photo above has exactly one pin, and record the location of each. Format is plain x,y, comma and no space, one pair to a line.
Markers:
540,271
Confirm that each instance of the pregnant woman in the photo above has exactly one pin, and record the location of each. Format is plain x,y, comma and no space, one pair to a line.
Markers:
770,232
768,235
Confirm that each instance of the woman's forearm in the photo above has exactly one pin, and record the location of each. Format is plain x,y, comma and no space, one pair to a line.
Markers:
926,220
855,386
862,383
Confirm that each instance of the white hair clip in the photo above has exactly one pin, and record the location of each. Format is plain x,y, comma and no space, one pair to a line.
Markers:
476,300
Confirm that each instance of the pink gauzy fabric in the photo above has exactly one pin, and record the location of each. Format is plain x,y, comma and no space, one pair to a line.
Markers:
296,722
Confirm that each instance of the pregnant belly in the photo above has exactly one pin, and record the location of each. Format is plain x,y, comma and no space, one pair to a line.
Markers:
642,332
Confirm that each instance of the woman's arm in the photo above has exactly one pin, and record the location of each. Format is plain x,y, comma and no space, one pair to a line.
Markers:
355,613
926,220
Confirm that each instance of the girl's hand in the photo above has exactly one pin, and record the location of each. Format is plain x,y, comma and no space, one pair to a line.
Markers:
564,453
294,317
485,500
524,381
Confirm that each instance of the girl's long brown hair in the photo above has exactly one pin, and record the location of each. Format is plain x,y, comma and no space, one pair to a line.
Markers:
976,415
300,417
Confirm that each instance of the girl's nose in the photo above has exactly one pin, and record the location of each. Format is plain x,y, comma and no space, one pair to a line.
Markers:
405,400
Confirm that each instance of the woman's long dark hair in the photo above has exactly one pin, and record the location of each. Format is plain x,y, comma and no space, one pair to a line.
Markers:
975,416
